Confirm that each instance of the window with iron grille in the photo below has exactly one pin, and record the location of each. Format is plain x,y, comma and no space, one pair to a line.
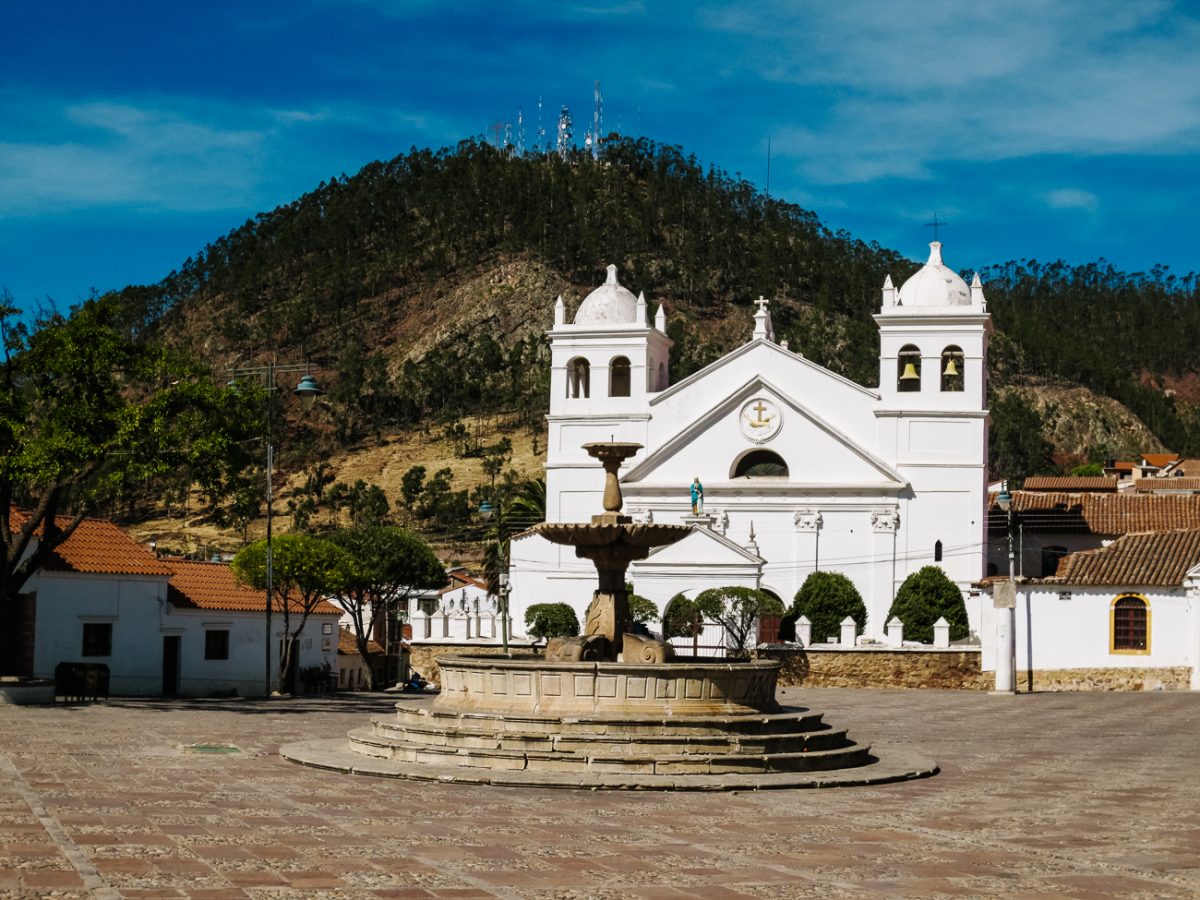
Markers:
97,638
216,644
1130,621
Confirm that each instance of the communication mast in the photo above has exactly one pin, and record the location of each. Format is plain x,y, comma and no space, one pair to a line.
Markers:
565,132
597,121
520,133
541,132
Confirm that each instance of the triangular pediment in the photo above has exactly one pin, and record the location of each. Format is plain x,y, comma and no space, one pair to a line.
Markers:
703,543
816,452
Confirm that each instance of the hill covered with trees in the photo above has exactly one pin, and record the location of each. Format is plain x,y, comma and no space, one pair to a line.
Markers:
420,288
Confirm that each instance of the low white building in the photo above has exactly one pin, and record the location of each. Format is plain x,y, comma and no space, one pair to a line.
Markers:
827,474
1125,615
163,627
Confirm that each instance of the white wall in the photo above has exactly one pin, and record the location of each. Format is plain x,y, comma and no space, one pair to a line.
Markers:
141,617
1073,633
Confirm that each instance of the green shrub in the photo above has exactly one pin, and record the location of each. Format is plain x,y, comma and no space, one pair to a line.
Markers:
926,596
642,609
825,599
679,617
550,620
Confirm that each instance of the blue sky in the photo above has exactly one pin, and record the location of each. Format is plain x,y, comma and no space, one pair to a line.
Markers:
135,132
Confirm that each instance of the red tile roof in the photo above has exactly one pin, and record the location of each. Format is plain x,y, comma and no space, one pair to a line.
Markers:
1070,483
348,643
212,585
1107,514
460,580
1136,560
1159,459
99,547
1181,483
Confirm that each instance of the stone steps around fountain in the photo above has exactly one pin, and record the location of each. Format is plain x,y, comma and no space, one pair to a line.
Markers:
649,761
441,734
784,721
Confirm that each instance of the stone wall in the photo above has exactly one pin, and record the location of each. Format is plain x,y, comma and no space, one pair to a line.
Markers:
880,668
1175,678
423,657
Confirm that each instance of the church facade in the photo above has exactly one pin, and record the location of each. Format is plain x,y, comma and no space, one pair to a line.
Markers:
800,468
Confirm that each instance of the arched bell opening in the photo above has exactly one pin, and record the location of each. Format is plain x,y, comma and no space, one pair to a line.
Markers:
953,369
618,377
579,377
908,369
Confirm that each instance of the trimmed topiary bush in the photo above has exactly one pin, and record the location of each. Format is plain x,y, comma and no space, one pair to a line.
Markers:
679,617
926,596
550,620
826,598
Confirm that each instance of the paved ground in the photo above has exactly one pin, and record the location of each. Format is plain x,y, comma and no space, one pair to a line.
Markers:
1048,795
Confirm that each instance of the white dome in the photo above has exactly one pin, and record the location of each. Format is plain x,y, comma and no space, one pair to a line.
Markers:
935,284
609,304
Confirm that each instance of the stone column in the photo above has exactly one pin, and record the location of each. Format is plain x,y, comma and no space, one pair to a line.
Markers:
1005,600
885,524
1193,596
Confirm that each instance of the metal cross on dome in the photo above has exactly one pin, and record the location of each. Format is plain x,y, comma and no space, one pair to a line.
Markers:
935,225
762,303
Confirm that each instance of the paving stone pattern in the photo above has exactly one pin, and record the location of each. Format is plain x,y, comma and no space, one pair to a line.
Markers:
1042,795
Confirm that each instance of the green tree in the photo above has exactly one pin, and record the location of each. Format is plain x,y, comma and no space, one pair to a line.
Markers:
389,565
826,598
303,570
91,414
1016,446
926,596
737,610
641,609
549,620
1088,470
680,618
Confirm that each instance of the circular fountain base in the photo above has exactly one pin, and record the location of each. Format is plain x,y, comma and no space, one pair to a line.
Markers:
685,725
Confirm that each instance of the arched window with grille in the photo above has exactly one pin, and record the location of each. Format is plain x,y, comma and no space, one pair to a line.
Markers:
579,376
908,369
618,377
760,464
953,372
1130,624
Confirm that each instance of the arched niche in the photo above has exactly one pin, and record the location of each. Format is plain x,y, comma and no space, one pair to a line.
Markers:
759,464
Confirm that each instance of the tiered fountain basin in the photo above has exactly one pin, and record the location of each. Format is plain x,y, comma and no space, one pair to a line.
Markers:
691,724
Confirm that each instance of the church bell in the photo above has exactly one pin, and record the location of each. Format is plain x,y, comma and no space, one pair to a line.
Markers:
951,368
910,373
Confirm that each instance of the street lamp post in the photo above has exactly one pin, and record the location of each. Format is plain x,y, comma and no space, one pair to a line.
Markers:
308,391
1006,612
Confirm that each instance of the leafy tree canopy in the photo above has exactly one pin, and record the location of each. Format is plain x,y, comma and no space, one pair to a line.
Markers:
92,416
549,620
738,610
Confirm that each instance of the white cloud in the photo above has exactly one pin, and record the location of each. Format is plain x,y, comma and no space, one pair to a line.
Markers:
1072,199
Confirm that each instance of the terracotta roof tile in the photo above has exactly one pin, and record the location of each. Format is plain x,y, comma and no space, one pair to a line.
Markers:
212,585
1070,483
348,643
1135,560
1107,514
1151,485
460,580
98,547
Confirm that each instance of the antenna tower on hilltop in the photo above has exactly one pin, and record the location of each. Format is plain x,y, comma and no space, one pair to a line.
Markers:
565,132
541,132
593,138
520,132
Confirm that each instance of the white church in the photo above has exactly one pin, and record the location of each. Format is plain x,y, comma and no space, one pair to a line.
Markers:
801,468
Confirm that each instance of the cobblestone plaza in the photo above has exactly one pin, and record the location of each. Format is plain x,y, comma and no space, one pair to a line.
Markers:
1043,795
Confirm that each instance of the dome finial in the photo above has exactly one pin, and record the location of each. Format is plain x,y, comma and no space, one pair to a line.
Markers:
935,253
612,274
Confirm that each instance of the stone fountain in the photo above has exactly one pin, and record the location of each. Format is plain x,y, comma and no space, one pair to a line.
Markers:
609,709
